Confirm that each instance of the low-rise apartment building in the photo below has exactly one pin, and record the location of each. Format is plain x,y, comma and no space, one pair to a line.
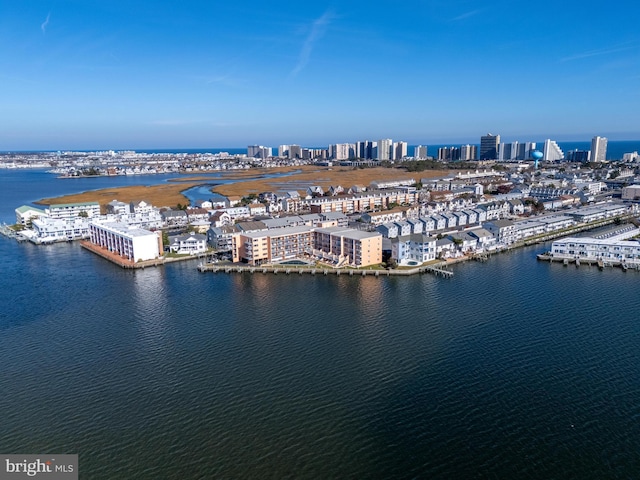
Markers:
597,249
129,242
73,210
338,245
360,202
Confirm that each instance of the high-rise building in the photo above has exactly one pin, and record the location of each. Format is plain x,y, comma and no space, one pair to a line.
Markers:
385,148
598,149
507,152
524,150
578,155
468,152
258,151
448,154
514,151
552,152
400,150
295,151
342,151
420,152
283,150
365,149
489,146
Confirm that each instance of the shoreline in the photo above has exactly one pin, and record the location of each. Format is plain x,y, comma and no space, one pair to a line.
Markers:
438,267
130,264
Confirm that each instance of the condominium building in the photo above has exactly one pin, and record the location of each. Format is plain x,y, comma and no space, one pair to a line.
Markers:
489,146
342,151
47,229
258,151
468,152
366,149
360,202
400,150
420,152
598,149
129,242
338,245
597,249
632,192
295,151
273,245
25,214
385,147
68,211
552,152
349,246
283,150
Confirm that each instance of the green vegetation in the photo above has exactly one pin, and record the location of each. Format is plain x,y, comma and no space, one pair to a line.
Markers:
421,165
248,199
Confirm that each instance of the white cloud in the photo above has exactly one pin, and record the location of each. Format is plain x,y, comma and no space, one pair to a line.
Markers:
595,53
43,25
466,15
317,31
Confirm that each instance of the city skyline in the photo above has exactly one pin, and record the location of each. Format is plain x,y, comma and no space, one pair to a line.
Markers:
85,76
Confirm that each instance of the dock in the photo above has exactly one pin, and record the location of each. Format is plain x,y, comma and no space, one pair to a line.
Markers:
287,270
125,263
582,261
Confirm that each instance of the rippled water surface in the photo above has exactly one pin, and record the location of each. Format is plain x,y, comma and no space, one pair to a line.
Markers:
511,369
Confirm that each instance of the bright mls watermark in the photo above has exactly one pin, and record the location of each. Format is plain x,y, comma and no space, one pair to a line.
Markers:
49,467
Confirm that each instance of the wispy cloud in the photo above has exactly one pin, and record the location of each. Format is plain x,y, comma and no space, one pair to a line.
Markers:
43,25
180,122
175,122
317,31
466,15
596,53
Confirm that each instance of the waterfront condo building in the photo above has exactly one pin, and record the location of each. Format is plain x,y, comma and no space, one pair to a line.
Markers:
130,242
273,245
69,211
348,246
338,245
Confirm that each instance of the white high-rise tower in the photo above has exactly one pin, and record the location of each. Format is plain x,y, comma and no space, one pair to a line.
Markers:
598,149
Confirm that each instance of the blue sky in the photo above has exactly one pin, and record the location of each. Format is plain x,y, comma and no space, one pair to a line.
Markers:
89,74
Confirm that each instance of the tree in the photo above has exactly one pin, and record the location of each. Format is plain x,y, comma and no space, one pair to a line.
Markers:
83,214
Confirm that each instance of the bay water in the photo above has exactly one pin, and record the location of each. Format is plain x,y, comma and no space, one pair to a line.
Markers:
513,368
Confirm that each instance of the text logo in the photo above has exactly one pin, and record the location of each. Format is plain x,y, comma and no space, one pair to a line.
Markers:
47,467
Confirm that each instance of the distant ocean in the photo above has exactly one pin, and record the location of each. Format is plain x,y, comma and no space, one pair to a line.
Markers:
615,149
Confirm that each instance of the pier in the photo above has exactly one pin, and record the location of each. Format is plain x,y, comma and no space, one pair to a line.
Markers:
582,261
124,262
7,231
288,270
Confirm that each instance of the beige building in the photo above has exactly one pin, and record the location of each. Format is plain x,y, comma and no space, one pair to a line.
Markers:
361,202
349,246
631,192
274,245
336,245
